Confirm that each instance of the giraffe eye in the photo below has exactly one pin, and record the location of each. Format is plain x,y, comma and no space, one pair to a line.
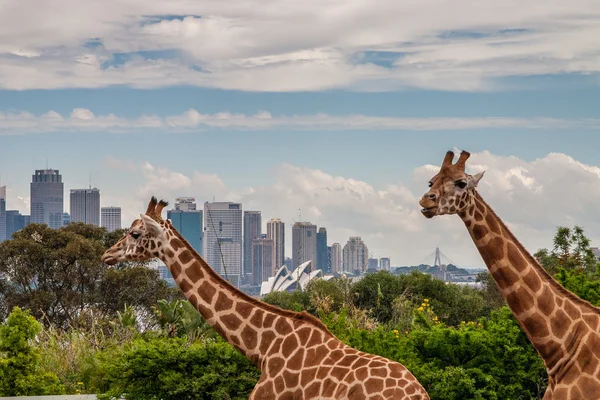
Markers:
135,235
461,184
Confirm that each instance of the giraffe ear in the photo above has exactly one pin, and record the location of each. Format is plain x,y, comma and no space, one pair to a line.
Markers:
476,178
151,226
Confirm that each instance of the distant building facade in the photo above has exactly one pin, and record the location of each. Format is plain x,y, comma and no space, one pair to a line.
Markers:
188,221
222,240
384,263
47,198
373,264
355,255
252,230
15,222
304,243
263,259
336,258
85,206
110,218
276,232
66,218
323,261
3,236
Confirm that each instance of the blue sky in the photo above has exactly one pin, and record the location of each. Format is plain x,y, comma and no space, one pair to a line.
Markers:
207,100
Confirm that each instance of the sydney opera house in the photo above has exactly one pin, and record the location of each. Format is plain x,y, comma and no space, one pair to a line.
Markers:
284,280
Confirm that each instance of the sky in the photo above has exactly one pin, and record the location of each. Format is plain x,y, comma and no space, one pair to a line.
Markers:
332,112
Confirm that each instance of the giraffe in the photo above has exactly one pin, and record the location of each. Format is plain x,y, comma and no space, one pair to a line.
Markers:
564,329
299,358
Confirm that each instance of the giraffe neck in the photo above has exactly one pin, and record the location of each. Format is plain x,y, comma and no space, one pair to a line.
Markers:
248,324
547,313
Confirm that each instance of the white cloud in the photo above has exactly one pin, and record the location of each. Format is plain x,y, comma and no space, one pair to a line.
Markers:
294,46
84,120
531,197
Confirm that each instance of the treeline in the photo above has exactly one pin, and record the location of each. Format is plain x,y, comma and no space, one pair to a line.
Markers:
71,325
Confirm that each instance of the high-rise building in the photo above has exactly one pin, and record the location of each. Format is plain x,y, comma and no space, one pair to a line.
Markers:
384,263
323,260
252,230
110,218
185,204
276,231
288,263
66,218
15,222
85,206
355,255
47,198
188,221
3,236
373,264
223,239
336,258
304,243
263,259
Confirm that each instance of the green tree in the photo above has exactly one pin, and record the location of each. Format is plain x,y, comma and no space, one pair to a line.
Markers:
491,294
59,276
171,368
571,250
20,373
580,283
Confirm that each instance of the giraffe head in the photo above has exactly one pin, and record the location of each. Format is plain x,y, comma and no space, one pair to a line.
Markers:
143,239
451,190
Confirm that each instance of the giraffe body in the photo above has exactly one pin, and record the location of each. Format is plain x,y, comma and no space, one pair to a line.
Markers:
297,355
564,329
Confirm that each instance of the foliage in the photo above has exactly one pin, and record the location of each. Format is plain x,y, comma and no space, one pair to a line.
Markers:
20,372
491,294
171,368
571,251
580,283
297,300
452,303
180,318
57,274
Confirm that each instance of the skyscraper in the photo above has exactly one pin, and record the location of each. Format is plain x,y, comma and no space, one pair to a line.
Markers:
188,221
223,239
384,263
15,222
276,231
252,230
323,261
263,259
85,206
373,264
355,255
3,236
110,218
47,197
304,243
336,258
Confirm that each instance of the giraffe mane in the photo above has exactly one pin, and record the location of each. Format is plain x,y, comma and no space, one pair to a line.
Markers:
535,263
302,316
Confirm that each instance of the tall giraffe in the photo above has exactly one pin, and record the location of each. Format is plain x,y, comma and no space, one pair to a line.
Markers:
564,329
297,355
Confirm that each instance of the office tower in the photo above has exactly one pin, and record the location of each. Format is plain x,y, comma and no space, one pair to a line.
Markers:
252,230
66,218
355,255
15,222
336,258
288,263
322,261
3,236
185,204
110,218
304,243
188,221
329,258
373,264
223,239
47,198
276,231
263,259
384,263
85,206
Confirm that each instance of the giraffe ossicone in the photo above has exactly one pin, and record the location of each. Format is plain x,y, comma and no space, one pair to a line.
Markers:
564,329
298,356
